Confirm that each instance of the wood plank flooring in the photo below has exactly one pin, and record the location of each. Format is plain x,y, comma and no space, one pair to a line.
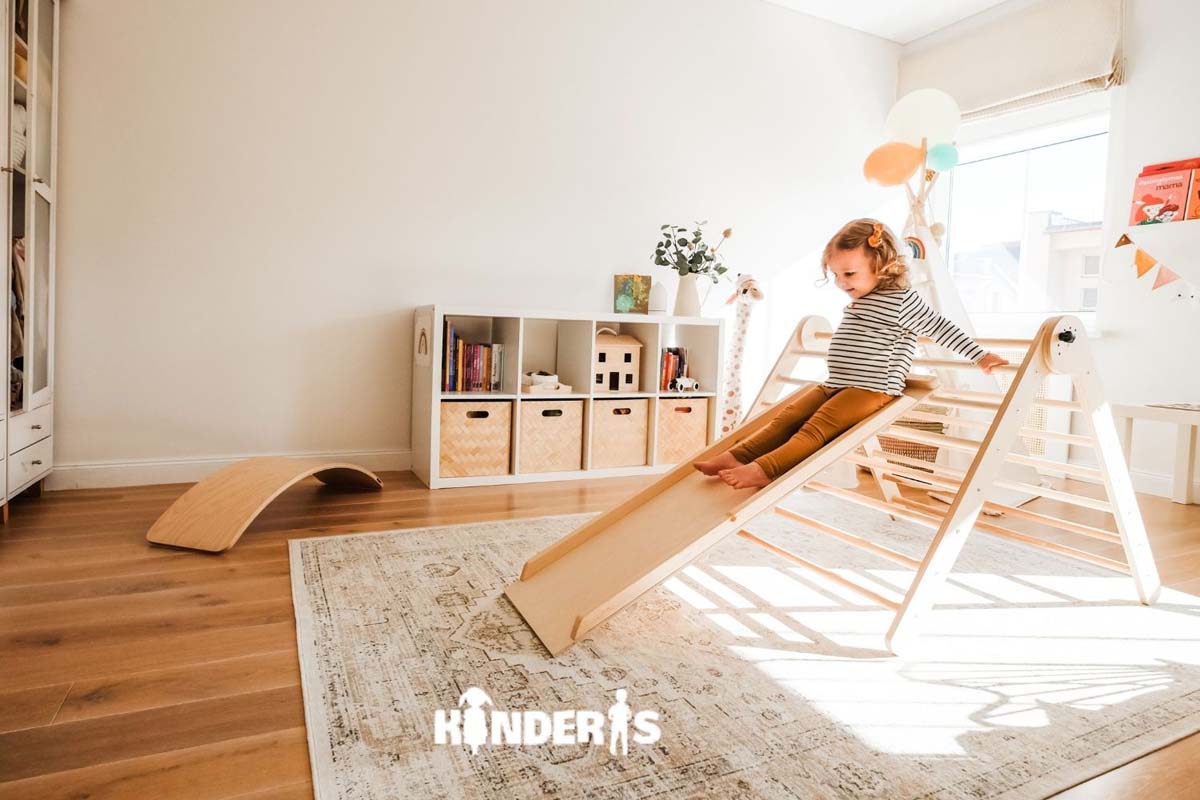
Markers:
131,672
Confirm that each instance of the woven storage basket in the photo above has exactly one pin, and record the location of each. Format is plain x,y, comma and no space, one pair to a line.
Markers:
475,438
682,429
619,433
551,435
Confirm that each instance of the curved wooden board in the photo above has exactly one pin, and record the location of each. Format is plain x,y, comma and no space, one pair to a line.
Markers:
213,514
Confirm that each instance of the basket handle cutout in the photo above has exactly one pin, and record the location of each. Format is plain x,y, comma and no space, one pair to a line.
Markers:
552,412
683,409
622,412
478,414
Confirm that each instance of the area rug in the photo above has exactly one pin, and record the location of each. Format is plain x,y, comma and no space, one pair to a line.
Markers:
1035,672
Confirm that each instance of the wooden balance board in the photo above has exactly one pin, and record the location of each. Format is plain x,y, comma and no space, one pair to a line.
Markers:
213,514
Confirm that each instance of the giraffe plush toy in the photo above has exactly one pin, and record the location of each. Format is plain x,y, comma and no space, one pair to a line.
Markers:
745,294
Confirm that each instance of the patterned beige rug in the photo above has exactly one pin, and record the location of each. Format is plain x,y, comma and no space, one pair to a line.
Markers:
1036,672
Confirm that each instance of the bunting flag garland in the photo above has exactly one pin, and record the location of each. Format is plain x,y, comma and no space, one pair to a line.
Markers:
1163,277
1143,263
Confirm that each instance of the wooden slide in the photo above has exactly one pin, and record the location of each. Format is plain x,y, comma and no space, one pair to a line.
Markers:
213,514
595,571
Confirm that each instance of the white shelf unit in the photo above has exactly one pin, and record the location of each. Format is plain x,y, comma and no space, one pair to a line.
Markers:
563,344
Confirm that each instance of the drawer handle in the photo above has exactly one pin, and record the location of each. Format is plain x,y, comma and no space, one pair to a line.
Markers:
552,412
621,412
37,462
35,427
683,409
478,414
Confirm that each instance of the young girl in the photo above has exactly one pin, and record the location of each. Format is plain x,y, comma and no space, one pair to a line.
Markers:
869,359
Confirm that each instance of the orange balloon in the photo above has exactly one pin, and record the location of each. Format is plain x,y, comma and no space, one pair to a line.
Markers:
892,164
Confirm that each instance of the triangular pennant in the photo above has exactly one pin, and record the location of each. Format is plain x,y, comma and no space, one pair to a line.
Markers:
1124,240
1144,262
1163,277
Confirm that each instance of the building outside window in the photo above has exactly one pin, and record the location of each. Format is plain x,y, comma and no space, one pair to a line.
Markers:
1024,223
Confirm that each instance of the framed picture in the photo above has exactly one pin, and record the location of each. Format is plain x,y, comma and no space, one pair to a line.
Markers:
631,294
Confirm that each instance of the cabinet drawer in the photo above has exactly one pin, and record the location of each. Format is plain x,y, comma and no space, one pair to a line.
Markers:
551,435
682,428
28,464
25,429
475,438
619,433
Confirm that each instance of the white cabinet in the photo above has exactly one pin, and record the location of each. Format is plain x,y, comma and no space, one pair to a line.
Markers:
588,432
30,136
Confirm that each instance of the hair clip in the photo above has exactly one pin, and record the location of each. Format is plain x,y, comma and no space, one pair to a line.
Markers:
876,235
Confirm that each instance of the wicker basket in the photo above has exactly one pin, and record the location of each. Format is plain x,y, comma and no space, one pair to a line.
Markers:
619,433
551,435
475,438
682,429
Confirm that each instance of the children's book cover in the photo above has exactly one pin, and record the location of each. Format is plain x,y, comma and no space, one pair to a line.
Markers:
1160,197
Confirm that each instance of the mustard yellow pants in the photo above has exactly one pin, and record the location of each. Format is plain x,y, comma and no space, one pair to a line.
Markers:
815,416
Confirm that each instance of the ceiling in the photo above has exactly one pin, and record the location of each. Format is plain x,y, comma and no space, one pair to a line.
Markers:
900,21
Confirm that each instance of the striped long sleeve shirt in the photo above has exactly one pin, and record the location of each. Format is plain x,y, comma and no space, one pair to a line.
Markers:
874,345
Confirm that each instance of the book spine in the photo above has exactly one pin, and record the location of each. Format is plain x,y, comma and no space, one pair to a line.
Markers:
458,358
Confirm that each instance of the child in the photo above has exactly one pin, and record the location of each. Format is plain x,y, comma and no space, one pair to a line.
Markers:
870,357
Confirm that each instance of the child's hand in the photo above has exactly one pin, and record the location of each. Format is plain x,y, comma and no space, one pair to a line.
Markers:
989,362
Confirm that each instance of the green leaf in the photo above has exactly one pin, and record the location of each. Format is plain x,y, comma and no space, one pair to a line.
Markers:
682,243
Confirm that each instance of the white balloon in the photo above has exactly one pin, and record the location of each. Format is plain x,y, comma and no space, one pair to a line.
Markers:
928,114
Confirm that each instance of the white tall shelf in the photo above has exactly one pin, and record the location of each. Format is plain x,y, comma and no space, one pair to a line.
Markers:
28,212
563,344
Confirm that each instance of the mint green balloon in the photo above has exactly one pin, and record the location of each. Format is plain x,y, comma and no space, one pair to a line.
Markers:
942,157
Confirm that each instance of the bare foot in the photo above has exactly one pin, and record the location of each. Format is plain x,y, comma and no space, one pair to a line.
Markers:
746,476
715,465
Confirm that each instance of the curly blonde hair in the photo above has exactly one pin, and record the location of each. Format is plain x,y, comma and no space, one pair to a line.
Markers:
880,246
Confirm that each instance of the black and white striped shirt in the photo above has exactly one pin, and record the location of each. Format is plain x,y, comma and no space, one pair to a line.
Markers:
873,347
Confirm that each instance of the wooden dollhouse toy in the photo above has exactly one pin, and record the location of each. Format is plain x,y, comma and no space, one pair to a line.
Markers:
618,362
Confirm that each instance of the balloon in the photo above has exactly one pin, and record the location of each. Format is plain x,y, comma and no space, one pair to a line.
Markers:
892,163
942,157
928,114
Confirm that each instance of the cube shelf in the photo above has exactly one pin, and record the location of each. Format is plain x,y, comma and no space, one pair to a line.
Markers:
477,438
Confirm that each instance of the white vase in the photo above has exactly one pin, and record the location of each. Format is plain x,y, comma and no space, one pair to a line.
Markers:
687,297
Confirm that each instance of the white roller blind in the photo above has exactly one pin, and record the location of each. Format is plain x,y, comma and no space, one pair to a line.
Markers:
1027,54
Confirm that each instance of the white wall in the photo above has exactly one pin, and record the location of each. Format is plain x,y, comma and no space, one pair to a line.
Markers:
1148,345
254,195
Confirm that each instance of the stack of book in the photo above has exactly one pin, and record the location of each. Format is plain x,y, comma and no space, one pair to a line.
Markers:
469,367
673,365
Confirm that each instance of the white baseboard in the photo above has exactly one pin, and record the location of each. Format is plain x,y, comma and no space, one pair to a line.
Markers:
144,472
1156,483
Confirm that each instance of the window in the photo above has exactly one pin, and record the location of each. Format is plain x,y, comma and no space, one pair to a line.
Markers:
1024,220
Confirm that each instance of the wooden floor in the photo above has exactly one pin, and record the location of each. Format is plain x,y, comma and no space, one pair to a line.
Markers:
130,672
